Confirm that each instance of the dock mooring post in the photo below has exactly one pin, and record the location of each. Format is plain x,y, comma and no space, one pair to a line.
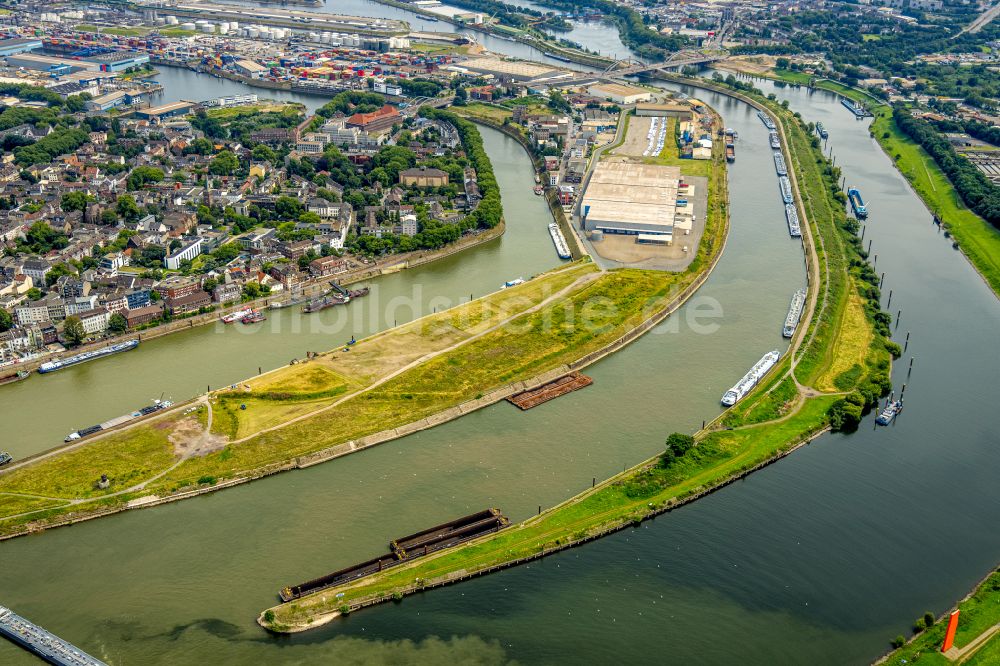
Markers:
881,280
889,302
539,509
898,316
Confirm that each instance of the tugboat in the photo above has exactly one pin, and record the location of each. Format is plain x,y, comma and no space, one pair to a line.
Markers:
822,131
888,415
18,376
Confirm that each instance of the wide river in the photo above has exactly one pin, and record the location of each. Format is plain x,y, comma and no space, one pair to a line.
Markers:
820,558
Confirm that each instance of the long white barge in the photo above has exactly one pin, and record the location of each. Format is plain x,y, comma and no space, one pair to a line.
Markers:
786,189
562,249
779,164
157,406
766,119
42,643
792,217
52,366
754,375
794,313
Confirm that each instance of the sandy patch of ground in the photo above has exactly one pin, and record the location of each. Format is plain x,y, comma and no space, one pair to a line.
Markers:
189,439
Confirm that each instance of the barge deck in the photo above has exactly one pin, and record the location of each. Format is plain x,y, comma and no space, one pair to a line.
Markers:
554,389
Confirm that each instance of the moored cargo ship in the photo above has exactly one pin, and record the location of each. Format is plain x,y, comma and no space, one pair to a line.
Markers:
792,217
749,380
236,316
786,189
766,119
318,304
562,249
779,164
730,152
794,313
855,107
857,203
157,406
822,131
52,366
775,140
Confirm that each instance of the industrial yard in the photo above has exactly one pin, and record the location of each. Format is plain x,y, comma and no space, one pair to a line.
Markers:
644,206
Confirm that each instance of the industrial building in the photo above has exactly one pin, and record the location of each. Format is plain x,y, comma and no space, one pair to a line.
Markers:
118,61
680,111
166,111
635,199
9,47
53,65
619,93
515,69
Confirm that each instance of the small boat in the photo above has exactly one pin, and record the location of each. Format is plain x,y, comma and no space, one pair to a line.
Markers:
4,458
888,415
512,283
234,317
277,305
730,152
822,131
539,190
358,293
253,318
18,376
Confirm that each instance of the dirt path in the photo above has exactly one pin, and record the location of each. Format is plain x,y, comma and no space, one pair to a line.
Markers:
426,357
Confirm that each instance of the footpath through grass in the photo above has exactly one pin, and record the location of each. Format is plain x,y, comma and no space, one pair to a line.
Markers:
387,381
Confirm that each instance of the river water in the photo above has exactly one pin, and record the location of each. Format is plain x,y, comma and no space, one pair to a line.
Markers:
820,558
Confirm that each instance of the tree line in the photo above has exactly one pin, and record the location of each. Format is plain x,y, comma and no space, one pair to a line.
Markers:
975,189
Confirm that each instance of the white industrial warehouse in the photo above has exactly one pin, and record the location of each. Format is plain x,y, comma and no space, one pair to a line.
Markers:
643,200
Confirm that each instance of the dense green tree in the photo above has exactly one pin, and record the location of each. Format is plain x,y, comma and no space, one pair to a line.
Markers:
117,323
127,208
73,201
6,321
224,164
73,330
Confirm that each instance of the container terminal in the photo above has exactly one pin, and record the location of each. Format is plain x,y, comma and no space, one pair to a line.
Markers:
406,549
43,644
749,380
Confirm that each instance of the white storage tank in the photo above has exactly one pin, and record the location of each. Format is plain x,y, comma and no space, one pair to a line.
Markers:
224,28
234,26
160,21
208,29
172,20
253,33
189,26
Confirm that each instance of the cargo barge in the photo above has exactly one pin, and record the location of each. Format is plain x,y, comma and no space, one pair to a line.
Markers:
857,203
766,119
253,318
779,164
794,313
560,387
792,217
730,152
52,366
856,108
786,189
157,406
775,140
407,549
318,304
43,644
822,131
749,380
562,249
